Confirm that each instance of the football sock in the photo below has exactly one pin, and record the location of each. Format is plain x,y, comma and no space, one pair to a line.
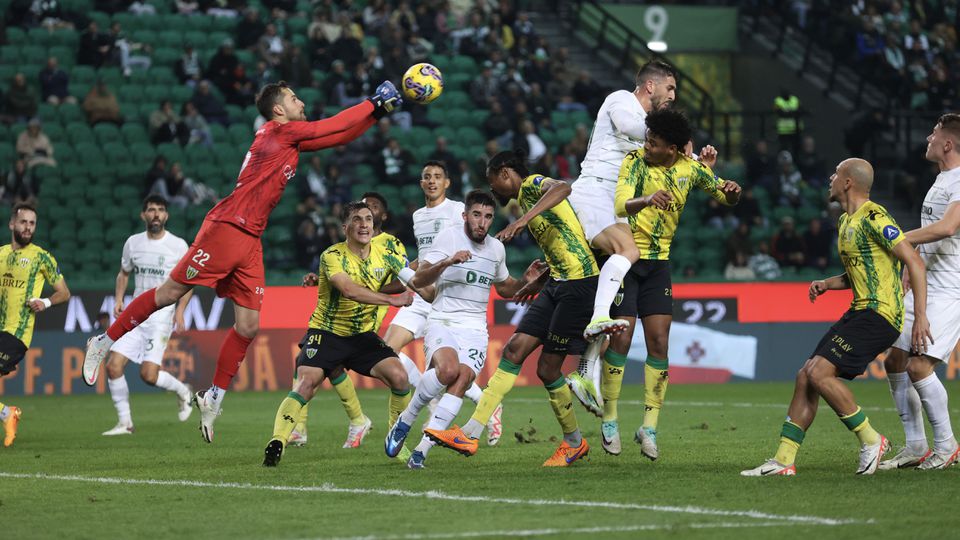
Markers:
4,412
429,388
301,426
561,400
474,393
791,436
611,379
413,372
287,416
232,351
608,284
347,393
120,393
443,416
214,397
655,380
590,356
933,396
907,399
397,403
497,387
139,310
170,383
859,424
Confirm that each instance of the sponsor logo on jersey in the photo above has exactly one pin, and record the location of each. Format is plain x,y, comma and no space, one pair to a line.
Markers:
192,272
927,210
890,232
9,281
289,172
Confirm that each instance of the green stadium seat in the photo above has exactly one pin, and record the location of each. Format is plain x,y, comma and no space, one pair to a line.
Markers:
106,133
16,35
157,93
146,109
162,75
65,56
83,74
224,24
166,56
172,151
66,37
79,132
130,112
180,94
133,132
38,36
197,154
457,81
9,55
111,76
143,152
241,134
469,136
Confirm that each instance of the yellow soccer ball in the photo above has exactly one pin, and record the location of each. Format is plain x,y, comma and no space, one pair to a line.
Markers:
422,83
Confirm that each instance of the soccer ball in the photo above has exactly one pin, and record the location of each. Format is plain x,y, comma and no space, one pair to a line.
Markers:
422,83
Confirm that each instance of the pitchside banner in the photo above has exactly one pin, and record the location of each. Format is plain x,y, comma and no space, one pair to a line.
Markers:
721,333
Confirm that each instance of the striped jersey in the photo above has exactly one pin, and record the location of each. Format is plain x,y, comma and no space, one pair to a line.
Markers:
558,233
866,242
942,257
394,246
463,290
22,275
653,229
342,316
609,142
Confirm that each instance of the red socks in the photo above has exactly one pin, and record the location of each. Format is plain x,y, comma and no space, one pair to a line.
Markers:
232,351
137,312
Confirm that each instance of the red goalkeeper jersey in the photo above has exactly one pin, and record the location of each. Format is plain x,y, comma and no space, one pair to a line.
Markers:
272,161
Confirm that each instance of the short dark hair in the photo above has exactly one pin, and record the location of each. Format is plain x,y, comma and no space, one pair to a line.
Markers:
351,207
438,163
376,195
268,97
22,206
950,122
670,125
481,197
154,198
655,69
512,159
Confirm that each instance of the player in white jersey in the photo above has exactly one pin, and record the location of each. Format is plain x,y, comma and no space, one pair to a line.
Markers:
913,381
462,263
620,129
150,256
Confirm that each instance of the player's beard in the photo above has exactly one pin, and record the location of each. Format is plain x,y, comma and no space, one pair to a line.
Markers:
21,240
155,227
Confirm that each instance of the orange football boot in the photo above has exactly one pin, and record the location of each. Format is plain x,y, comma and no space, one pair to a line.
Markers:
10,425
566,454
454,439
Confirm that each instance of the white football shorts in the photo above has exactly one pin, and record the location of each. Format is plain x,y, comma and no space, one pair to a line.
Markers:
944,316
145,343
470,343
592,200
413,317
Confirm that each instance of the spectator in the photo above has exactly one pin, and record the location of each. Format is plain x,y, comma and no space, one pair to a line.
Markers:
359,85
739,241
307,245
249,29
54,84
188,67
158,172
197,128
819,244
271,46
763,265
587,94
314,182
19,185
812,167
531,143
21,100
348,47
463,180
264,76
294,68
142,8
761,169
241,91
321,34
165,125
418,48
393,163
442,154
484,89
497,124
180,191
334,88
538,71
49,14
869,45
738,269
208,105
788,186
748,209
863,130
101,105
916,41
34,147
122,49
788,248
222,66
538,104
568,163
718,216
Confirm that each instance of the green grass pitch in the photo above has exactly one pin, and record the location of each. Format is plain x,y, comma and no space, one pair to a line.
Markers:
62,479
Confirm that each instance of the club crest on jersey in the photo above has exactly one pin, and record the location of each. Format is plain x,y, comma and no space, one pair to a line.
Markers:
192,272
437,225
24,262
890,232
379,272
310,353
682,181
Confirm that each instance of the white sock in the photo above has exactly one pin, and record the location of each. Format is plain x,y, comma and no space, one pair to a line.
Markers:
934,398
169,382
428,389
443,416
120,393
474,393
214,397
907,399
611,275
473,429
588,361
413,372
4,413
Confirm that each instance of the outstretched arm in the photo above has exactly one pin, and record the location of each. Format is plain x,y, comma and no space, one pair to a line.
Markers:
554,193
942,228
335,129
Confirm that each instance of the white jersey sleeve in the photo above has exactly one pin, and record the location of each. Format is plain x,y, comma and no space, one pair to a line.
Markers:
428,222
502,272
126,261
942,258
440,247
620,129
463,290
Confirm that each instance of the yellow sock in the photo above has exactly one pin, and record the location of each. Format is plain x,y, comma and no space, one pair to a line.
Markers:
611,379
655,381
397,403
860,425
301,426
562,402
348,398
791,436
499,386
287,416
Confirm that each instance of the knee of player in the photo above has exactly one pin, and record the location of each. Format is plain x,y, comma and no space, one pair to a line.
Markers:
247,329
149,376
512,351
396,378
548,373
920,367
447,371
114,369
658,345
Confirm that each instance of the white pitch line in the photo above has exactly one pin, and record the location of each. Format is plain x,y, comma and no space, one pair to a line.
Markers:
439,495
549,532
740,404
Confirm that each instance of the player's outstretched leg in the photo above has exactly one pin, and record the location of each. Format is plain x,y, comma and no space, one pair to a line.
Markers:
283,424
98,347
933,397
574,446
232,351
581,381
617,240
430,387
10,417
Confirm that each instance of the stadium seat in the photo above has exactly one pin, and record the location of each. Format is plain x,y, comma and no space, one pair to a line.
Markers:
16,35
106,132
134,132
